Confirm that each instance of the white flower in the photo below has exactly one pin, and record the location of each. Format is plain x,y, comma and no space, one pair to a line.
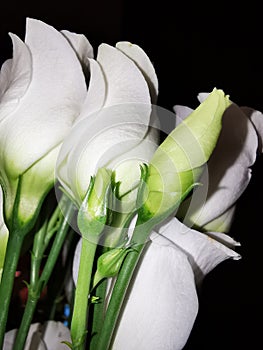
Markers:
3,235
113,127
48,336
212,205
42,89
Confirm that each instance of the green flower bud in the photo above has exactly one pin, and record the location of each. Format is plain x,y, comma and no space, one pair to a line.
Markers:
178,162
109,263
93,213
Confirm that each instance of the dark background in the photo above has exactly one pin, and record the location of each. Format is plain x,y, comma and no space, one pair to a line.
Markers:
195,46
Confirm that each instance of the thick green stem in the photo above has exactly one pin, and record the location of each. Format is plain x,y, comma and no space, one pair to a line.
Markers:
79,317
141,234
13,250
36,288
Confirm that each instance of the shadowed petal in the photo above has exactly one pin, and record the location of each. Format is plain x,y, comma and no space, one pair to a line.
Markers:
203,251
228,172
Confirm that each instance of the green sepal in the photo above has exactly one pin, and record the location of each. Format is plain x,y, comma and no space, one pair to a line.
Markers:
14,221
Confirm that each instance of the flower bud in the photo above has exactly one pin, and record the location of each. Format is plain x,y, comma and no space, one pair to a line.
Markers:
109,263
94,210
178,162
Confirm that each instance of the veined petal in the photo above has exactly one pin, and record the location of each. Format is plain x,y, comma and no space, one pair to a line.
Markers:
203,251
15,77
228,170
81,45
51,104
142,61
162,304
125,82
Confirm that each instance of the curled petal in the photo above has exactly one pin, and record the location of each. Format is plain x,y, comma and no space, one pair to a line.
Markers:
50,105
256,118
125,82
81,45
204,251
137,54
96,94
15,77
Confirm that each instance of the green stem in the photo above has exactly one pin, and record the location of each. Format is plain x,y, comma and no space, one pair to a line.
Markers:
36,255
98,314
13,250
79,317
141,234
36,288
26,322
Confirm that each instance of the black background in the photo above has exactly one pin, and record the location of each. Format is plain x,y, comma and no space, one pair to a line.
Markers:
195,46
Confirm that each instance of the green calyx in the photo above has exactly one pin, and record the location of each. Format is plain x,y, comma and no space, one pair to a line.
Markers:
94,211
178,162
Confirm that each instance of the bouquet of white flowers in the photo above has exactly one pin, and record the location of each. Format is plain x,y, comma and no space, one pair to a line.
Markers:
85,152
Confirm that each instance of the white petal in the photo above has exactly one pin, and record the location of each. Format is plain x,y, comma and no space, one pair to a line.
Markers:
222,223
133,159
76,260
162,303
257,119
228,169
42,337
15,77
81,45
181,113
54,333
125,82
202,96
204,252
96,140
33,340
137,54
96,94
53,100
3,235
